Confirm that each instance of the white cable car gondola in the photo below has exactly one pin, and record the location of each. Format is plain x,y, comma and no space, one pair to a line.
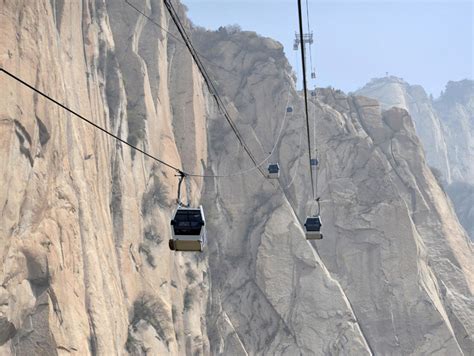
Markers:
189,229
274,171
312,228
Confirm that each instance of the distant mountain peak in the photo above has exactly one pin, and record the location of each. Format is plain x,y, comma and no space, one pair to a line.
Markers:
460,91
389,79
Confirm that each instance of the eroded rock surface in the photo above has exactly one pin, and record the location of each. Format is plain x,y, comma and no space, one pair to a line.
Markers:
446,128
84,221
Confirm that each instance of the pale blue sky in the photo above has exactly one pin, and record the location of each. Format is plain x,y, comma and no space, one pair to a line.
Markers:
424,42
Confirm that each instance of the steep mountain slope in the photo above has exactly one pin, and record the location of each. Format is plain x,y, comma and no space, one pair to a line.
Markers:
400,210
84,221
446,129
455,108
384,213
395,92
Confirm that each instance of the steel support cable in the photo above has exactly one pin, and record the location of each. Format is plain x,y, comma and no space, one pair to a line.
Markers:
315,152
207,80
262,162
298,160
285,116
305,92
177,38
46,96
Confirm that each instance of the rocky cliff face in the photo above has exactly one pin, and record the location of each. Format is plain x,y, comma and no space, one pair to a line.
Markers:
455,108
446,129
85,221
395,92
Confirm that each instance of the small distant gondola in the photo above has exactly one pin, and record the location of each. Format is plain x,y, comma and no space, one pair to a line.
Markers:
274,171
289,109
312,228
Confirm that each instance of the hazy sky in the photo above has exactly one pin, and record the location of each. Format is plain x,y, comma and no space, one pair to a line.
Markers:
424,42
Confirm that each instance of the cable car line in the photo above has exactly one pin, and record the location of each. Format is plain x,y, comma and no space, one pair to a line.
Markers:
285,116
179,40
300,16
297,164
21,81
315,160
262,162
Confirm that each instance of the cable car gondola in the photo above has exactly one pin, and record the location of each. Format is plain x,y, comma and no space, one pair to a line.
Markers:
274,171
189,229
289,109
312,228
188,225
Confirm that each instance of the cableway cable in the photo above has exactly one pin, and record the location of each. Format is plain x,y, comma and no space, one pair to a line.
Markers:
285,116
21,81
262,162
305,92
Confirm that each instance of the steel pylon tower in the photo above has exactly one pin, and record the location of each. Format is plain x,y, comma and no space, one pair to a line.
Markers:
307,40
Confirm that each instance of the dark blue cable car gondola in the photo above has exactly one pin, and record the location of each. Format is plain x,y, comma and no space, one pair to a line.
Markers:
289,109
188,226
312,228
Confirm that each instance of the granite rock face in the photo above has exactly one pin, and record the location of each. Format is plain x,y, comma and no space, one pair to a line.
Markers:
395,92
455,108
84,221
446,128
382,208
